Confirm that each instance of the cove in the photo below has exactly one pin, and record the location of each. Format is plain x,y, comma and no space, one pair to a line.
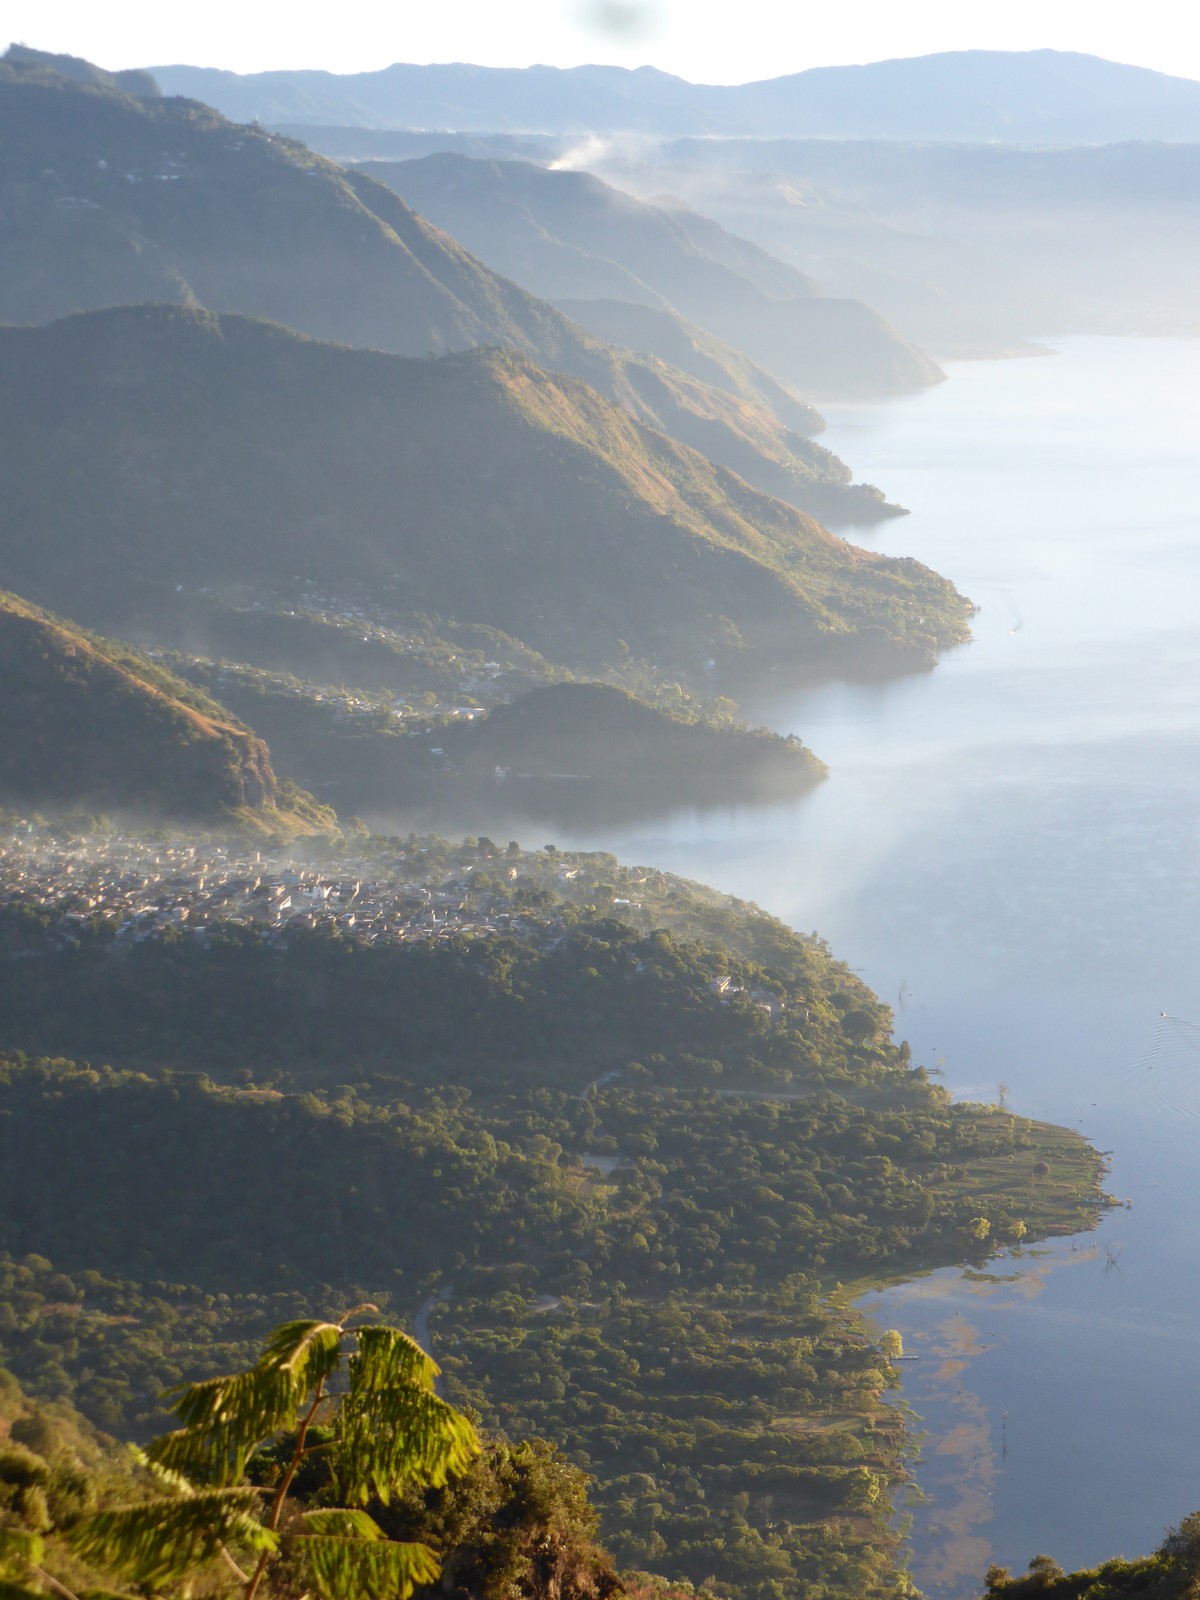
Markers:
1008,849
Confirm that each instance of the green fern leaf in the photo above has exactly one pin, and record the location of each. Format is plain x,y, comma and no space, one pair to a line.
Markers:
307,1351
342,1523
365,1569
224,1420
20,1547
389,1359
388,1437
162,1539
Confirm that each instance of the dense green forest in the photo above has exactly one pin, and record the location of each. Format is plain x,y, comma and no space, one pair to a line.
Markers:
397,486
623,1170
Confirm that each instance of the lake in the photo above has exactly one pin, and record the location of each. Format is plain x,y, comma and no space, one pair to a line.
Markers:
1008,849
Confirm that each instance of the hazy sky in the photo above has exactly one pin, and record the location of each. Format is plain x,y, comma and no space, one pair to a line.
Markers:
714,41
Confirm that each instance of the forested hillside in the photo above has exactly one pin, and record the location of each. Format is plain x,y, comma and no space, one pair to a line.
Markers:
621,1169
86,723
156,452
516,1521
564,752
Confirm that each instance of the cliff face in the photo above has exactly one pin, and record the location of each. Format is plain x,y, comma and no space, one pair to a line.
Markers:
83,722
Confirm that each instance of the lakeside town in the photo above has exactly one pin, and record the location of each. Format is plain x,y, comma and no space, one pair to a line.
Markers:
388,890
373,888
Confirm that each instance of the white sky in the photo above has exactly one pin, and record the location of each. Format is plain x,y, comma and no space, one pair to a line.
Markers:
711,41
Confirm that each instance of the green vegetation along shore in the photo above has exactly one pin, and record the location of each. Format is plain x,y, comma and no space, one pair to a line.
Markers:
621,1171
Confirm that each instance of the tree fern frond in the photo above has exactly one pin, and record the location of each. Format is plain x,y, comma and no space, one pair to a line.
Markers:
165,1477
343,1523
387,1437
365,1569
308,1351
20,1546
266,1393
224,1419
388,1359
162,1539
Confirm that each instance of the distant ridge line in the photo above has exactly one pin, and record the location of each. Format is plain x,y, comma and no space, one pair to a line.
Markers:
1018,96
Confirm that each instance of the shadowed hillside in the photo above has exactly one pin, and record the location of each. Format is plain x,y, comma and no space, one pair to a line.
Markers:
84,722
156,451
602,738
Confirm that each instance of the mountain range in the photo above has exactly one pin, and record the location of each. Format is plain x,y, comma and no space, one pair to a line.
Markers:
1042,96
111,199
572,238
968,247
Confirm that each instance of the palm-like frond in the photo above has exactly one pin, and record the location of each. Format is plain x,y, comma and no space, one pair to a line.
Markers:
349,1568
389,1359
307,1351
342,1522
161,1539
20,1547
388,1436
165,1478
224,1419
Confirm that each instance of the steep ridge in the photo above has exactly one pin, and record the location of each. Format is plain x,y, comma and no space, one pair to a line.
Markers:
569,236
110,200
85,722
152,451
659,332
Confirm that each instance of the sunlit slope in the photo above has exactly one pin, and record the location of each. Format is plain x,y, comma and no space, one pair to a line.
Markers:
85,722
152,449
570,236
107,199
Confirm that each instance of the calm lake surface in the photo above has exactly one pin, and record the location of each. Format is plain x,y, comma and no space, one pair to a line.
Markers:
1008,849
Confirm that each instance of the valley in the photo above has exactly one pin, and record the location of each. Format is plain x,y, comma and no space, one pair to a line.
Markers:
410,526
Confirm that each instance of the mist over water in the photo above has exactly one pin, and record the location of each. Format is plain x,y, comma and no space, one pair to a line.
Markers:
1008,849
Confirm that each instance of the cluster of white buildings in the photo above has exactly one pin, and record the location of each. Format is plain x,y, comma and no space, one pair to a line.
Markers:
193,885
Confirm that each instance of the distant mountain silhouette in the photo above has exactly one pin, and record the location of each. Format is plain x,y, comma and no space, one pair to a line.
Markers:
113,200
969,247
571,237
152,451
1040,95
88,723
